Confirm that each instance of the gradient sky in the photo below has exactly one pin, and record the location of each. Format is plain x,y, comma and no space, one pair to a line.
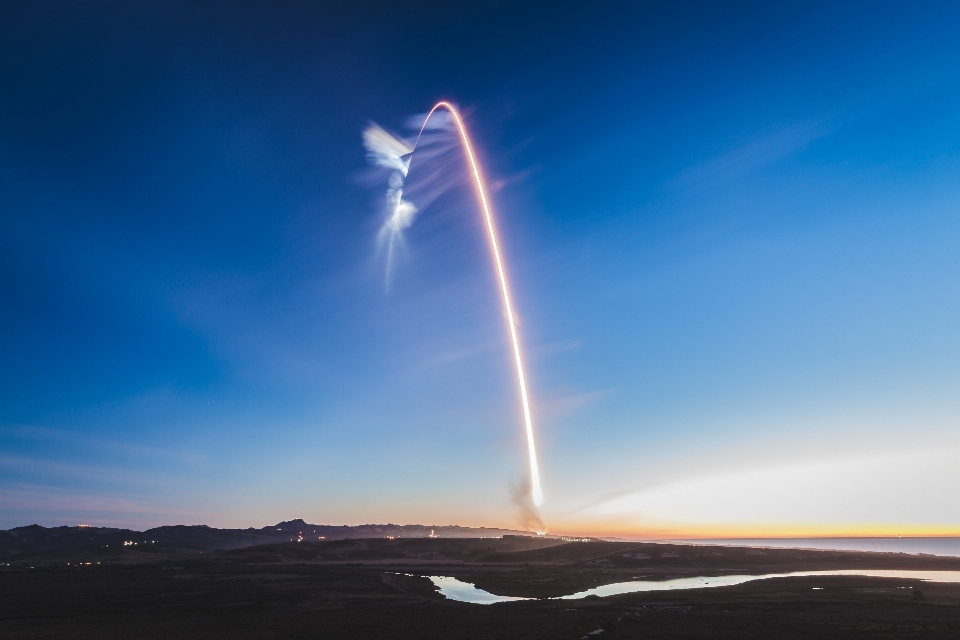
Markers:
732,232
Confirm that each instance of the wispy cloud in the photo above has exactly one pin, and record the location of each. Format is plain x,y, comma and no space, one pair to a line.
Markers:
73,439
557,407
60,505
560,346
34,467
761,151
406,198
912,488
452,356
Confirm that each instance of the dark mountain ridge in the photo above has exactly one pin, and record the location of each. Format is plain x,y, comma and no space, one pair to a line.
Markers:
36,542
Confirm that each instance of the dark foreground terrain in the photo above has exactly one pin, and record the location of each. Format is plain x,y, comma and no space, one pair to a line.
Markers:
373,588
42,545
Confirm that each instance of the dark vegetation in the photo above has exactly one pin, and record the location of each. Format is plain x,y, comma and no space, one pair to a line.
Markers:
374,588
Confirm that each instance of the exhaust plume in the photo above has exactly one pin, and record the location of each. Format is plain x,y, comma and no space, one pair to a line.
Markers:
396,154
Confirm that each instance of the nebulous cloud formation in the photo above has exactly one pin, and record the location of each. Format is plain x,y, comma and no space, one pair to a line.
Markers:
407,195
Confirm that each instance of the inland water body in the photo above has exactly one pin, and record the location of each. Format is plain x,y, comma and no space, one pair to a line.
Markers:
466,592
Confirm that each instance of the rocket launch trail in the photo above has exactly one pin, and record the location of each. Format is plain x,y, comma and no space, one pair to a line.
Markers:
402,218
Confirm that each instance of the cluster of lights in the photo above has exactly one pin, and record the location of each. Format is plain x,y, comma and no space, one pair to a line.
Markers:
300,536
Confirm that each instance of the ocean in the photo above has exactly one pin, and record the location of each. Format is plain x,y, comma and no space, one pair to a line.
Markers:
937,546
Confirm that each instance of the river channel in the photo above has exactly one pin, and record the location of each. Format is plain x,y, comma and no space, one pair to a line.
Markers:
465,592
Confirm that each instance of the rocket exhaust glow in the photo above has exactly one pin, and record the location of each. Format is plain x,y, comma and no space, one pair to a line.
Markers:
402,217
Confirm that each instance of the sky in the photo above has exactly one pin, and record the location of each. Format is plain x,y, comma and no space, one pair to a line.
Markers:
730,230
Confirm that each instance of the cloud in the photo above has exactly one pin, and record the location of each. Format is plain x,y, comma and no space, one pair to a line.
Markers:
452,356
53,506
910,489
385,149
761,152
74,439
561,406
41,468
406,198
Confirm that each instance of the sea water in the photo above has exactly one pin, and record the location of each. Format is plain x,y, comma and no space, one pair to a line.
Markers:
936,546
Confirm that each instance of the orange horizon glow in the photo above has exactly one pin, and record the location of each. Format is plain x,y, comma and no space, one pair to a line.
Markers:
707,532
536,491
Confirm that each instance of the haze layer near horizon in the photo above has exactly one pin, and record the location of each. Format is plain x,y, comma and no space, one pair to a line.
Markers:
731,230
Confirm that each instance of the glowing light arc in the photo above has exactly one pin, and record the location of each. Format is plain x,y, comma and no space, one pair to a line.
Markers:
537,493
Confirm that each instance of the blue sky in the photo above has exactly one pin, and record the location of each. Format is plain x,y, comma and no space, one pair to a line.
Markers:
731,233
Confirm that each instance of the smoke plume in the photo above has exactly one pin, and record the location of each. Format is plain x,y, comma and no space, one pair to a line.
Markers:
405,198
528,515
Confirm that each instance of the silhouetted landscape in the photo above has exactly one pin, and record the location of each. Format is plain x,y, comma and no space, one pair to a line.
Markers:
42,545
676,279
187,582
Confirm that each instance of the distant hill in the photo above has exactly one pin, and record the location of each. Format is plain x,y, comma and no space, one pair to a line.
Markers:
41,544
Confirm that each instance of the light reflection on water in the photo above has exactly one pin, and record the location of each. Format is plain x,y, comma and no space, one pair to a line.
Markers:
466,592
